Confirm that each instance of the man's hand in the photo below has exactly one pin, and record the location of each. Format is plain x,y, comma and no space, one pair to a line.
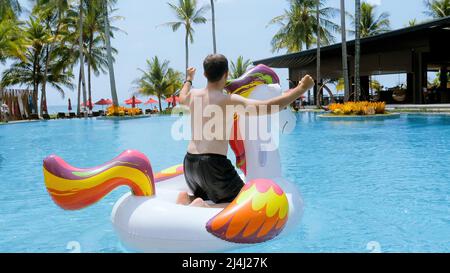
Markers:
190,73
306,83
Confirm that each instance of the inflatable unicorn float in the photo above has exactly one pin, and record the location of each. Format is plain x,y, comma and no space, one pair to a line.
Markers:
148,219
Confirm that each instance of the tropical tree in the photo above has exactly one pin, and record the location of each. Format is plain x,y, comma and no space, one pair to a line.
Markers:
12,43
412,22
371,23
107,4
239,67
81,53
437,8
213,12
188,14
9,9
96,51
52,13
318,54
298,26
344,53
357,50
159,80
30,71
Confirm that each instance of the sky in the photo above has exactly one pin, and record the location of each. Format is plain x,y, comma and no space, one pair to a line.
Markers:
242,29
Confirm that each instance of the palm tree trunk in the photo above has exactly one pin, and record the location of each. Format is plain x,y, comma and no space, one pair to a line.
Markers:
79,94
112,77
214,26
318,51
35,84
344,53
81,44
160,105
187,50
47,63
90,69
357,50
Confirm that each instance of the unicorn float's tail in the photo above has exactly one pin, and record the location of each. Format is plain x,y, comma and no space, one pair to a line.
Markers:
74,189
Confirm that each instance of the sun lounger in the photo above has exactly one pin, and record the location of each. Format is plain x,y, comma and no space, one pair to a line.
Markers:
61,115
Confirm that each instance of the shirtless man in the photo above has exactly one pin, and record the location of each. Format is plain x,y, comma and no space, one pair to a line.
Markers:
209,174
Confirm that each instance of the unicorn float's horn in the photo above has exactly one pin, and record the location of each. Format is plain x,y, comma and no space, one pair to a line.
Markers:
73,189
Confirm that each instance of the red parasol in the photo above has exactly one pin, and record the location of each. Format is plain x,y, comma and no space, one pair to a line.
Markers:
133,101
103,102
171,99
151,101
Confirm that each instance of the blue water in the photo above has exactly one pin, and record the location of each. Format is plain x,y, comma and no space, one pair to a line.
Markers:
379,183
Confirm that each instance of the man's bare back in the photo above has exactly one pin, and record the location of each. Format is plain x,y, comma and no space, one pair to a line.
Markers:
204,105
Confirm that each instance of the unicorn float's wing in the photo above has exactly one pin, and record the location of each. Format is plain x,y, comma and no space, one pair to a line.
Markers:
258,214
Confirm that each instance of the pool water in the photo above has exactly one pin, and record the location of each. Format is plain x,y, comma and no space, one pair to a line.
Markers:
378,186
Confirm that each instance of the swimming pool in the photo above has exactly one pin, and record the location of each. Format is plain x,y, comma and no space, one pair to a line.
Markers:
380,185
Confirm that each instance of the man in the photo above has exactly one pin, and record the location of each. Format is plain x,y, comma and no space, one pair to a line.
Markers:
208,172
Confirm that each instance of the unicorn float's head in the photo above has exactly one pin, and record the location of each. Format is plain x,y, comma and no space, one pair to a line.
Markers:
254,139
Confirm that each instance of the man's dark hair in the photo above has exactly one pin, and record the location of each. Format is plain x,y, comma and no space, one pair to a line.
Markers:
215,66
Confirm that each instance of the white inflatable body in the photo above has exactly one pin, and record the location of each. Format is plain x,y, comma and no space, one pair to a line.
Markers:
158,224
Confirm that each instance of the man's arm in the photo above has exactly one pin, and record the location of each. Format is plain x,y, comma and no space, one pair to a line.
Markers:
265,106
185,95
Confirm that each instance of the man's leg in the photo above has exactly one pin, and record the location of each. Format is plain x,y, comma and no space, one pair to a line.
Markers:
184,199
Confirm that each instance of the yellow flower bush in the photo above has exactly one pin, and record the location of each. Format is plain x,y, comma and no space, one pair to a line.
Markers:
122,111
363,108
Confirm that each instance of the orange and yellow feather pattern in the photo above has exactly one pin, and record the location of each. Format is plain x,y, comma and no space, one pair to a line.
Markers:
257,215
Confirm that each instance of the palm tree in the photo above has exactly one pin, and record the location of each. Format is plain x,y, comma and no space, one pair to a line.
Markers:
437,8
357,50
239,68
371,24
30,74
12,42
318,55
344,53
31,70
106,5
188,14
10,9
298,26
213,12
53,12
158,80
97,52
81,54
412,22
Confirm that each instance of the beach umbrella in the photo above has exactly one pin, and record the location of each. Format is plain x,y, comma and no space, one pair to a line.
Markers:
151,101
103,102
70,105
133,101
173,99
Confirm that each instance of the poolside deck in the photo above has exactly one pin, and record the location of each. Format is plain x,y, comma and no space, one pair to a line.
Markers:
435,108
